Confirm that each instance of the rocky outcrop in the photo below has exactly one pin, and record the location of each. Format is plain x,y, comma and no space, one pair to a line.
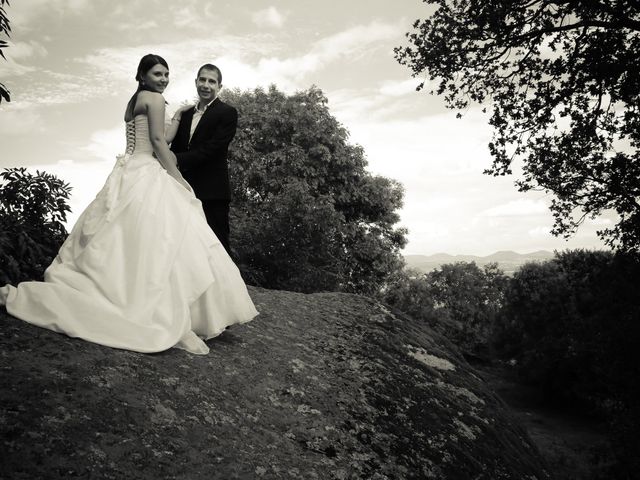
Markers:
320,386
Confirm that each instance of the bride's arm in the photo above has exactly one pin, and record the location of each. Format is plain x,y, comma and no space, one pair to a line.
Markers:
172,128
155,114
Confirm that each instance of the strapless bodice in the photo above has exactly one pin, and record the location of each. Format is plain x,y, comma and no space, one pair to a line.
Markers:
138,135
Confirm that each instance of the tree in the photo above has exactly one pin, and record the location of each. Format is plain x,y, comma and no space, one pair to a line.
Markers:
460,300
410,291
562,79
4,30
470,297
307,215
573,326
33,209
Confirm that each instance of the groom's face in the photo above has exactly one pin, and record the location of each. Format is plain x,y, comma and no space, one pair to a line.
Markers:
207,85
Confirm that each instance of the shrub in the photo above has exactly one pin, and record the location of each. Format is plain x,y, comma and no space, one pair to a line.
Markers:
33,209
573,325
460,300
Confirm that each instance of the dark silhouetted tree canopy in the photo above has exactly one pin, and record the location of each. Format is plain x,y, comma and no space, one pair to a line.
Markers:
562,78
306,215
4,31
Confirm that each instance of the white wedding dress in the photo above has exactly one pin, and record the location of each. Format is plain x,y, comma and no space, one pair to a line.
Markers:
141,270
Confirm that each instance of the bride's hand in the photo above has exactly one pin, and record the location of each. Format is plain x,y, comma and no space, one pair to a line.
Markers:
181,109
184,107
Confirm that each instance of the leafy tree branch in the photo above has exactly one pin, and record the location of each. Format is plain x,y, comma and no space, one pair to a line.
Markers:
561,80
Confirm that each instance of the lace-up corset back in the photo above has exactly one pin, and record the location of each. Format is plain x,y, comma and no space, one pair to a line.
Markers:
137,131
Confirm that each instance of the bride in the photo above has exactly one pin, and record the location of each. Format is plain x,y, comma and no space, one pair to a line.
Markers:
141,270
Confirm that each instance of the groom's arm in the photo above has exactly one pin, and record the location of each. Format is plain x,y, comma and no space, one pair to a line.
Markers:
220,140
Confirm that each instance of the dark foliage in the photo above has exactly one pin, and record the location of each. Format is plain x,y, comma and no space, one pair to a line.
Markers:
573,326
562,79
5,29
460,300
306,214
33,209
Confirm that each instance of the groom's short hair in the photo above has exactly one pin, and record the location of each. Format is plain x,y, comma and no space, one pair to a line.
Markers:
210,66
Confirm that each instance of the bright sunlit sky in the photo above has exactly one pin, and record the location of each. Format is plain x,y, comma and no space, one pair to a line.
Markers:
71,67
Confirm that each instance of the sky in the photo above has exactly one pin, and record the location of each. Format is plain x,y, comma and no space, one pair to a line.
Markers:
71,65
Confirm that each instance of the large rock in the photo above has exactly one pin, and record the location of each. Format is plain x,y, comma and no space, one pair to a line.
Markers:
322,386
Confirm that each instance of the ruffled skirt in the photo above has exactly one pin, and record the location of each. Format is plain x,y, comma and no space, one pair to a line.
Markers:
141,270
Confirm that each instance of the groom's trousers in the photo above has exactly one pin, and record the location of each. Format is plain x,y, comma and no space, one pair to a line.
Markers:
217,214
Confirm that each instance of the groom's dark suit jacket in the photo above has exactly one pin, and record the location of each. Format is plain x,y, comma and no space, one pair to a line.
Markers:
203,161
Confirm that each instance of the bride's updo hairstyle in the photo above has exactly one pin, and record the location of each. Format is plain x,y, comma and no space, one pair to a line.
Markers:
147,62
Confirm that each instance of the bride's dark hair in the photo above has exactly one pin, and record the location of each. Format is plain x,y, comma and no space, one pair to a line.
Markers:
147,62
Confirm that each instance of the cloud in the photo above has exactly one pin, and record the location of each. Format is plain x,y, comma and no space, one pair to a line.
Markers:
11,68
55,88
146,25
600,221
517,208
24,18
269,17
106,144
246,61
358,38
449,205
186,16
405,136
21,50
16,54
193,15
427,230
423,148
184,58
85,178
352,105
440,161
399,88
18,121
543,231
351,43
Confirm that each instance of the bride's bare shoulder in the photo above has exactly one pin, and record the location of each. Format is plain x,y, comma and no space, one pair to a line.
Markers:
150,97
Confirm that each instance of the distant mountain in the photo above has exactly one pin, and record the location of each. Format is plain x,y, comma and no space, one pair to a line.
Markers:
507,260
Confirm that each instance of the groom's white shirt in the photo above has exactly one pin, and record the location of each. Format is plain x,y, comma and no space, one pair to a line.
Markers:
197,115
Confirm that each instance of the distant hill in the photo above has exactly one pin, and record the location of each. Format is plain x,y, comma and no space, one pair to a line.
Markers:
507,260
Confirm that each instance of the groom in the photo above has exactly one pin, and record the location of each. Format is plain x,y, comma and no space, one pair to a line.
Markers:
201,144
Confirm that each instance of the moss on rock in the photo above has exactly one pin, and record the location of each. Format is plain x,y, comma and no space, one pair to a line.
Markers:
319,386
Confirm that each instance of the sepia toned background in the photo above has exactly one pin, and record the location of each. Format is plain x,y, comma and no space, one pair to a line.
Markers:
71,65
